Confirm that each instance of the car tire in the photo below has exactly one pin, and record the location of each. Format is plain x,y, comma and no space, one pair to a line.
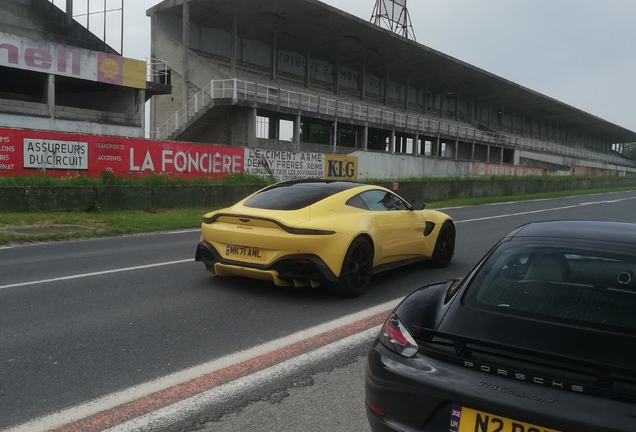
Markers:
444,246
357,268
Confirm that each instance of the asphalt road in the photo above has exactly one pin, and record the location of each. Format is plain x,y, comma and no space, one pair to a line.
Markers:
83,319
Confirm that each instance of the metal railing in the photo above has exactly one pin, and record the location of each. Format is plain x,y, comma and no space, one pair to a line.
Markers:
157,71
248,91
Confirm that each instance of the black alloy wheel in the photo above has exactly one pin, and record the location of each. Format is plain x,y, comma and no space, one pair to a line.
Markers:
444,246
357,268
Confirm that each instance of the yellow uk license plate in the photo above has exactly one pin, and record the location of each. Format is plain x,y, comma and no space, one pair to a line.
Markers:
244,252
468,420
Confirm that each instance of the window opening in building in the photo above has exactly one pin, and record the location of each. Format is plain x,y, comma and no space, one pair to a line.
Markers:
262,127
286,130
428,148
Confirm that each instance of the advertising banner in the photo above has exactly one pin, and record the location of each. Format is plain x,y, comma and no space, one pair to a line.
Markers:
24,152
290,165
483,169
42,56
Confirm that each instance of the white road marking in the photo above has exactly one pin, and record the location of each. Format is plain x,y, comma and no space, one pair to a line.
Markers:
113,400
157,420
545,210
99,273
182,231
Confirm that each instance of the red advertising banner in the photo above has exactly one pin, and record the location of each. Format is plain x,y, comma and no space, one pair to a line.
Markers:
24,152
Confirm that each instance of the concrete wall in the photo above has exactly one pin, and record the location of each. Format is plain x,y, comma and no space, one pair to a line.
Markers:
82,198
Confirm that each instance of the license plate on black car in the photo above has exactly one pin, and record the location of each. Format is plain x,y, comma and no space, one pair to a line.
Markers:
469,420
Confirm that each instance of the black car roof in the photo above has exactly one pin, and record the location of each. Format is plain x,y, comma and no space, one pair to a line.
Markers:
617,232
333,185
296,194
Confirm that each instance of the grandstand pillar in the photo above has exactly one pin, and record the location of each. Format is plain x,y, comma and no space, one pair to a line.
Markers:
392,142
457,100
274,128
233,45
406,93
363,80
501,120
306,130
251,128
336,80
502,156
532,127
472,152
456,154
437,147
441,102
334,131
488,154
523,124
490,116
273,62
425,96
386,87
185,38
50,95
307,65
365,138
297,129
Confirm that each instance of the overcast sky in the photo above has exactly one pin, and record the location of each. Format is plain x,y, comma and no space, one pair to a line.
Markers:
580,52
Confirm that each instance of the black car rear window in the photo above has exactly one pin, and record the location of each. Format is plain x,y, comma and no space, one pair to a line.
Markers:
583,285
294,196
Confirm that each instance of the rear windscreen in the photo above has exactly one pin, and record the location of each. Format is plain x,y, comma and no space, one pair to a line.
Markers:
294,196
576,284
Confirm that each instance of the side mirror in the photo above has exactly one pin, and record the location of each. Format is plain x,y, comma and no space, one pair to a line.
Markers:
417,205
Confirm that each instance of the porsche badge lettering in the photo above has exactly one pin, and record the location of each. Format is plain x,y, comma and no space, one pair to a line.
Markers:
519,376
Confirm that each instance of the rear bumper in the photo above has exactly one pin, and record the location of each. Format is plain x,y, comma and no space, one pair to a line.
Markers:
297,269
417,394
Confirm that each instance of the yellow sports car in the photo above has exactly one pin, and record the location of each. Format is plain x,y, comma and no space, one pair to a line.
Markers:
327,233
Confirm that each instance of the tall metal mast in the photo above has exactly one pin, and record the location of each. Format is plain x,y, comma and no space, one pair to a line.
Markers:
394,16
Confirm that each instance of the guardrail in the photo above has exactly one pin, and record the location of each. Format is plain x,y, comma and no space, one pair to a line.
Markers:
236,90
157,70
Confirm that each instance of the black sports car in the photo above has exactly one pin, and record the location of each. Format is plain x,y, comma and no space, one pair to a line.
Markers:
539,336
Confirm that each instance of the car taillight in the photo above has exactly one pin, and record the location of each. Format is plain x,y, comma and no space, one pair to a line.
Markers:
396,337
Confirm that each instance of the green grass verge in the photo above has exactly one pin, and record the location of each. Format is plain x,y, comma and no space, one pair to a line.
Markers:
104,223
115,223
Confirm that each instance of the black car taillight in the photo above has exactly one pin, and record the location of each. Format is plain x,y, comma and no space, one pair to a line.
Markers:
397,338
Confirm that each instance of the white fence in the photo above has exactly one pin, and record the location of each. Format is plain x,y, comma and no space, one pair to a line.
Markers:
243,90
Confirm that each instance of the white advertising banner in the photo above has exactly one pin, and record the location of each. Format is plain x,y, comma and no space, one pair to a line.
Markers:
50,154
41,56
284,165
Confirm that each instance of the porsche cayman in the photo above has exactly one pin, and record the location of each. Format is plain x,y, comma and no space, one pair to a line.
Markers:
538,337
333,234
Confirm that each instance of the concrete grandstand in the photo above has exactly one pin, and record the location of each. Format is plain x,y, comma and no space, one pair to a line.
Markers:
58,76
239,69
